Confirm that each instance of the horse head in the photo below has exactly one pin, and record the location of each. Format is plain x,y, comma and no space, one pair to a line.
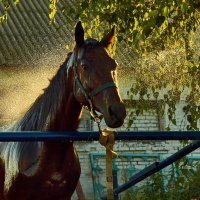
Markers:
95,77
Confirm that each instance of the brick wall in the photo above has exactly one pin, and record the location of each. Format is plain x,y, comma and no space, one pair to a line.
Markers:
134,155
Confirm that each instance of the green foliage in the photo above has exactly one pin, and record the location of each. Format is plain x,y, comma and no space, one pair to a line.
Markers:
162,37
152,26
53,9
149,28
167,77
181,183
137,20
6,5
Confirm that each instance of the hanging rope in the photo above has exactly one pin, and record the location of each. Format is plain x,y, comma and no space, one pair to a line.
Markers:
107,139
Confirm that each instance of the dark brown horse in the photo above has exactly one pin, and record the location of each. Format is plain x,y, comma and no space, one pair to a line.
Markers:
51,170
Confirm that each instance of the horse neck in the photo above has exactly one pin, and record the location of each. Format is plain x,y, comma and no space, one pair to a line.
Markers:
68,117
67,120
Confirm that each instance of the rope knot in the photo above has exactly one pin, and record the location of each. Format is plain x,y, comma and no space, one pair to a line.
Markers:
107,139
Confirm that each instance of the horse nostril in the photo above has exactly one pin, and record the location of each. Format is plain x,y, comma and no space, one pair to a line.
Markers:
110,110
117,110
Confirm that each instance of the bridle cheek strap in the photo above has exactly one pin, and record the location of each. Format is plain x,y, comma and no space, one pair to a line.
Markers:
78,84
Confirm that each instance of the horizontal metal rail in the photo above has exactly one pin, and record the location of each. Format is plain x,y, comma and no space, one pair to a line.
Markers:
89,136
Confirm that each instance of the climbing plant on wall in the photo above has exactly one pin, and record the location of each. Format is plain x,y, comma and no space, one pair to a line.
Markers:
164,34
163,37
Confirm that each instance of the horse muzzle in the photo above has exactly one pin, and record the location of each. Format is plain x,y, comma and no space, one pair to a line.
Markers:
115,116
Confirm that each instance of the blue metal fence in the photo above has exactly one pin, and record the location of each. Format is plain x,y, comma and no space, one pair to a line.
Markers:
90,136
99,187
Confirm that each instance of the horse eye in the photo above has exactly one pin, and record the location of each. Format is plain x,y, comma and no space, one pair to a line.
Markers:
84,66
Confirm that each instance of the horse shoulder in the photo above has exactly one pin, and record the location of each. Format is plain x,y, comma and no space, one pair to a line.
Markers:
29,157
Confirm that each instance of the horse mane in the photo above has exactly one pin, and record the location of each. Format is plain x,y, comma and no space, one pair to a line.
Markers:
37,118
43,110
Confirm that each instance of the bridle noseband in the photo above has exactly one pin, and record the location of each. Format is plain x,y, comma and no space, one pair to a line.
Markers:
88,95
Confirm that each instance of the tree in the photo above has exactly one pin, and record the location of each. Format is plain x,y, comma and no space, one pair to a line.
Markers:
152,29
137,20
149,27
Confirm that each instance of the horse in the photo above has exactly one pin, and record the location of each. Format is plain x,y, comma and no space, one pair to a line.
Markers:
50,170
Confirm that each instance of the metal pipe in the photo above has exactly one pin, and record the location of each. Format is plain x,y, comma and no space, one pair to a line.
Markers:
89,136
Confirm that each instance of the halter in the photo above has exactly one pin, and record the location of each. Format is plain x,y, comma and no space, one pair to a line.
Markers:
88,95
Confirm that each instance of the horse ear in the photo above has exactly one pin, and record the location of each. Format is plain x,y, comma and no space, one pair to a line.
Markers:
108,39
79,34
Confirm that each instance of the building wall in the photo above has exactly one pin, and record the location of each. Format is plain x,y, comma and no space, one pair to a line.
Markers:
133,155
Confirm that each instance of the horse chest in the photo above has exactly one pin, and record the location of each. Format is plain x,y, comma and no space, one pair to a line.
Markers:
55,177
59,166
